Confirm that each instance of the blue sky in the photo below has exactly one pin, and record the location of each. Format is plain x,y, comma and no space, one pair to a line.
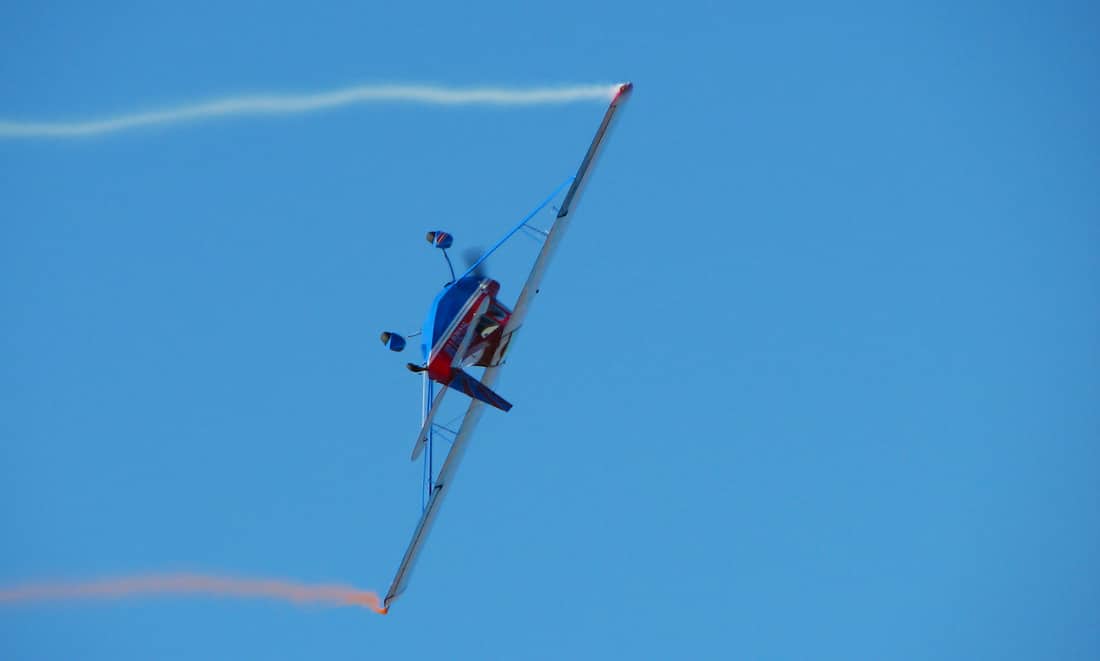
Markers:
814,374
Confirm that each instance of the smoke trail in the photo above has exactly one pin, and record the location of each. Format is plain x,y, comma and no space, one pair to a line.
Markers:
283,104
191,584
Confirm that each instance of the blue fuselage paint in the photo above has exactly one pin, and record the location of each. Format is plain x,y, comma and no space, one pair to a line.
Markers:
447,305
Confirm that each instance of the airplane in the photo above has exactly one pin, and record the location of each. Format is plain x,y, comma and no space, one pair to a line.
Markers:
469,326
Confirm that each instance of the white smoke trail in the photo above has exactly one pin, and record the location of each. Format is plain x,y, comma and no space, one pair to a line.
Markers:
283,104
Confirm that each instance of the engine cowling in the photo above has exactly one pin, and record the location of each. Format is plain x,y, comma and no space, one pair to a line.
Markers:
440,239
393,341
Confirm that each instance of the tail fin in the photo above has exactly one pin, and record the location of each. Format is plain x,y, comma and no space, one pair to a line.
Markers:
463,382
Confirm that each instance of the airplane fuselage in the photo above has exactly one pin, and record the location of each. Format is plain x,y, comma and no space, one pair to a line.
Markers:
447,327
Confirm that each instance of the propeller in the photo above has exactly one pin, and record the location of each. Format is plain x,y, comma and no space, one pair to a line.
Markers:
470,257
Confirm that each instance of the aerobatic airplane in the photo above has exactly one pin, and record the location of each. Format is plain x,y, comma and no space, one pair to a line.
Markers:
468,326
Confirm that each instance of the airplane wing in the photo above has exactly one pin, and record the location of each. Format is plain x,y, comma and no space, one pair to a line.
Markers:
561,223
473,414
429,420
439,491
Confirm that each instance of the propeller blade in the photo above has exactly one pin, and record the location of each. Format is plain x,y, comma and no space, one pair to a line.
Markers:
470,257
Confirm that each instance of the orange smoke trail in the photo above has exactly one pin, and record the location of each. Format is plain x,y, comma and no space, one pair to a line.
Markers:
192,584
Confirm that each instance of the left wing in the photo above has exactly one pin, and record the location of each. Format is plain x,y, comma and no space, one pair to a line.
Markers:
561,223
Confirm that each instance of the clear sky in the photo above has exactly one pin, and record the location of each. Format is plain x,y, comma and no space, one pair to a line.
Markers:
814,375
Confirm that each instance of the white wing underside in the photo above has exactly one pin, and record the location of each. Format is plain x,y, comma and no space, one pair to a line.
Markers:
561,224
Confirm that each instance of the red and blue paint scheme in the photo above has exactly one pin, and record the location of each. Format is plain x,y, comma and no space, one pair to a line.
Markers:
468,326
465,327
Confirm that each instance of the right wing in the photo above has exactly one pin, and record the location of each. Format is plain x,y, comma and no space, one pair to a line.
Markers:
442,486
422,437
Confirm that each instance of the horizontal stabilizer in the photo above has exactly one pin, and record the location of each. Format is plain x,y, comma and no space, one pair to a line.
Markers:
465,383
